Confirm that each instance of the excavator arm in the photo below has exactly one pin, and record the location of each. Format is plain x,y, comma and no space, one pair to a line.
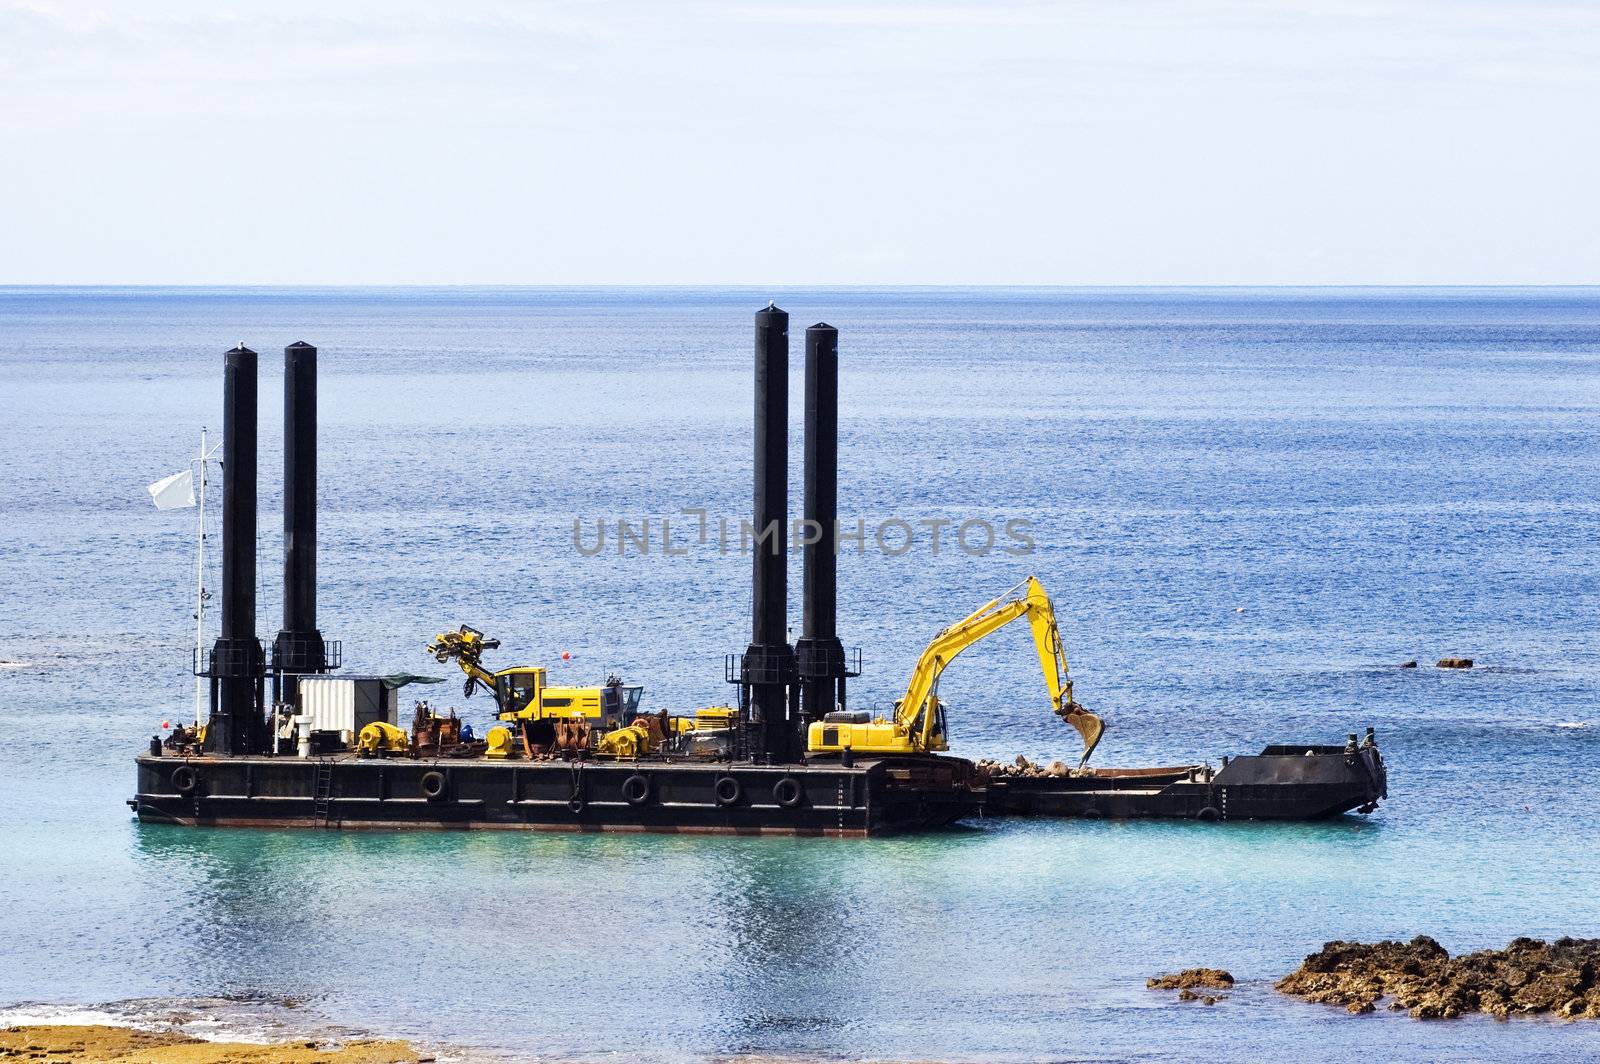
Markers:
1053,660
918,710
466,647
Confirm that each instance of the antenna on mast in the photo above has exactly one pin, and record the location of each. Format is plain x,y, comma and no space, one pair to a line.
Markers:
200,592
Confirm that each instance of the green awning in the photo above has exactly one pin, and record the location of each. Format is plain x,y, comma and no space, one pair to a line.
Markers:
400,679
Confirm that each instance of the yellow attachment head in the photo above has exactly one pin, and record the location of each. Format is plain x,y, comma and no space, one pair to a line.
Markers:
467,644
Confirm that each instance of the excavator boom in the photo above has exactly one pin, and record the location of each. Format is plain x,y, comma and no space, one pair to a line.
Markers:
918,710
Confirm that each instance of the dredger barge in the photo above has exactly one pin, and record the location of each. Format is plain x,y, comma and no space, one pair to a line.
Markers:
789,758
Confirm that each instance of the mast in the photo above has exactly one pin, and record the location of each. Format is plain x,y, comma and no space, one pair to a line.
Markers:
768,668
200,587
238,664
819,653
299,649
200,593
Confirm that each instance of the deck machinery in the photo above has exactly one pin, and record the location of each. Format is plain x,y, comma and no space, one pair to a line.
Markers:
798,760
765,785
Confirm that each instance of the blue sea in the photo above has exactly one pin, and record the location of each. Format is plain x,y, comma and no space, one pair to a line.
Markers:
1249,505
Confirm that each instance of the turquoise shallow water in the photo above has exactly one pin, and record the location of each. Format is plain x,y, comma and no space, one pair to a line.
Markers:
1373,475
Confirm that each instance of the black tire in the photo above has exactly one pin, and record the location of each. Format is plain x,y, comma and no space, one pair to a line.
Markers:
575,803
185,779
636,789
729,791
434,786
788,793
1093,814
1208,814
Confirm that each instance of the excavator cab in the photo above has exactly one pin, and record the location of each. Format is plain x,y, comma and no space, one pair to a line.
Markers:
936,738
524,693
936,734
518,688
619,701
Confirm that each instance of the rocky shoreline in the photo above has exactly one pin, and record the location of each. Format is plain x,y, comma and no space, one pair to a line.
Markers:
1527,978
104,1044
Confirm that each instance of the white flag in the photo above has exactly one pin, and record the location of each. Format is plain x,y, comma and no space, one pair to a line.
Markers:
174,492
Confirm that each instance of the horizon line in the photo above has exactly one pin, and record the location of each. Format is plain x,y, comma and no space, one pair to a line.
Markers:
865,286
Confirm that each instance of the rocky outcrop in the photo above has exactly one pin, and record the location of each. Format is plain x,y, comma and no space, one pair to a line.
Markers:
1454,663
1409,664
1528,977
1189,978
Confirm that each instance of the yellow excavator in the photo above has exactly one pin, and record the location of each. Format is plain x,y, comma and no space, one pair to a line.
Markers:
524,693
918,724
605,719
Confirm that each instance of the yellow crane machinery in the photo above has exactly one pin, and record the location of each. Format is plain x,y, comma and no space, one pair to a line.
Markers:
553,720
524,693
714,718
918,724
497,744
381,735
644,736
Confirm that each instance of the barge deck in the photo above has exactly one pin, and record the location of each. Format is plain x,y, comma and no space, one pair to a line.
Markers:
877,797
868,798
1283,782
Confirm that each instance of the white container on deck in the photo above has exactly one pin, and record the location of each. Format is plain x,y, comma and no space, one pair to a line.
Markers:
346,704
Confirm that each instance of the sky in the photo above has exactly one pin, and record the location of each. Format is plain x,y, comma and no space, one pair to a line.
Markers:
747,142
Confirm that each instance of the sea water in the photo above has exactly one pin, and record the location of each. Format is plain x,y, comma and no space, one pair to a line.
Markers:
1248,505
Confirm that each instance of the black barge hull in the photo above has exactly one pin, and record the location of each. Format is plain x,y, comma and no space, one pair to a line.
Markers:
869,798
1280,783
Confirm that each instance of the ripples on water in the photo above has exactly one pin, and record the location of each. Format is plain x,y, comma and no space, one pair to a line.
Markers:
1372,475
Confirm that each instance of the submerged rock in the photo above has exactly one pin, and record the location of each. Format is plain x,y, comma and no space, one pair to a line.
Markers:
1408,664
1528,977
1455,663
1212,978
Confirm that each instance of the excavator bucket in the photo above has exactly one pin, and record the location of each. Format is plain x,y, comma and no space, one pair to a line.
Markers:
1088,725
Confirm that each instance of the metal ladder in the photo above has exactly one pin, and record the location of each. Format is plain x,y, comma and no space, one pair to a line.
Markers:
324,791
